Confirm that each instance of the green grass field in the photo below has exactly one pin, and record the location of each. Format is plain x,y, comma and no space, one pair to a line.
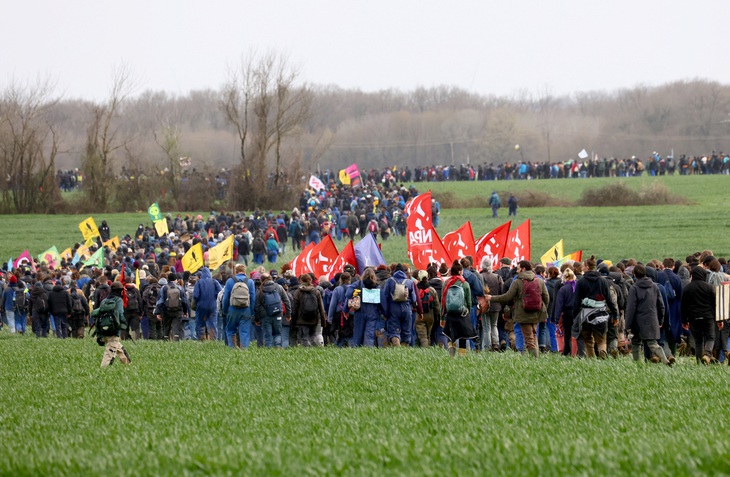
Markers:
613,233
201,409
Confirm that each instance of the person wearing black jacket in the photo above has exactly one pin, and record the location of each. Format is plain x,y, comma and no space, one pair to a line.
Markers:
698,314
594,290
645,315
59,305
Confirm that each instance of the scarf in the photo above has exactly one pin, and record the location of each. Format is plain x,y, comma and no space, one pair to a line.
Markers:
452,279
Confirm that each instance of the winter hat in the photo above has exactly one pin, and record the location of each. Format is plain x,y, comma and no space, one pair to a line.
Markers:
505,261
13,279
162,282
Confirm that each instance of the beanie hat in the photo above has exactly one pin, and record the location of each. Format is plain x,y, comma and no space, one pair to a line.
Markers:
13,279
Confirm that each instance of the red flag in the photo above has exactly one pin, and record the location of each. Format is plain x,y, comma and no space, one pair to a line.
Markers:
323,256
492,245
460,242
346,256
419,229
518,243
125,300
300,265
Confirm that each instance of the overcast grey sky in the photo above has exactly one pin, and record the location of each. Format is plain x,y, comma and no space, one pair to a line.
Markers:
490,47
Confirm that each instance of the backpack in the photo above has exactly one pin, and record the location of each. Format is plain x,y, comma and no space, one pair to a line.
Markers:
40,303
20,302
309,305
132,300
671,293
151,297
77,307
400,292
173,301
531,295
455,299
107,322
240,295
426,299
272,303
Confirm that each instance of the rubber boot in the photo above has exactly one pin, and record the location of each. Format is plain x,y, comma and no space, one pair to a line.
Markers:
462,352
452,349
395,341
534,353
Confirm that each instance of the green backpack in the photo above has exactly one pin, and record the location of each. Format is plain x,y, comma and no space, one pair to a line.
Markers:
455,299
108,322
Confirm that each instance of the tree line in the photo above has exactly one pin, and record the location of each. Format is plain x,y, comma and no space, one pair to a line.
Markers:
266,128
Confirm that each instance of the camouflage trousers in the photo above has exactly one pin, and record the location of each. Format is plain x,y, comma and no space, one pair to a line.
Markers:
114,349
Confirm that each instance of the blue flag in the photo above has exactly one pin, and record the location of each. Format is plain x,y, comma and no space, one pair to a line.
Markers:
368,254
10,264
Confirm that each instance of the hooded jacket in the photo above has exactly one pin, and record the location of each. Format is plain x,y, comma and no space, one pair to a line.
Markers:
59,301
37,293
386,293
206,291
516,291
298,318
271,286
645,309
698,298
592,285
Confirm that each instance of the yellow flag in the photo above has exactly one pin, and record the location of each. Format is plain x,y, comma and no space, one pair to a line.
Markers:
161,227
192,261
136,279
554,254
221,253
344,177
67,254
112,243
84,252
88,229
89,242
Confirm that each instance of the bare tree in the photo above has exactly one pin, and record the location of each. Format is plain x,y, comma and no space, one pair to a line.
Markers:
29,144
266,106
104,138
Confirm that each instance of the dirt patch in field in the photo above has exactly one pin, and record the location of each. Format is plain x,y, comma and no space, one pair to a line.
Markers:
619,194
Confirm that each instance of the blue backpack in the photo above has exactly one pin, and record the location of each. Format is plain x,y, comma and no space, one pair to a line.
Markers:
272,303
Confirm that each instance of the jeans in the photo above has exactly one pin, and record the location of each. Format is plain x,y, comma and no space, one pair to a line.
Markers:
305,335
10,320
490,333
546,336
239,321
271,326
494,211
21,320
41,325
285,331
206,322
189,330
652,345
258,258
519,338
61,325
398,324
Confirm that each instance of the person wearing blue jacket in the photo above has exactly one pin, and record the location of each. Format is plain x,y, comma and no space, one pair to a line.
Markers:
398,315
366,318
205,295
238,319
337,316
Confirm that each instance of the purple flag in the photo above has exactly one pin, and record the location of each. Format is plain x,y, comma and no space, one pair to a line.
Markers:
368,254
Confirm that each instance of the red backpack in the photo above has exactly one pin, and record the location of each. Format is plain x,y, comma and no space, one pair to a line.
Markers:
531,295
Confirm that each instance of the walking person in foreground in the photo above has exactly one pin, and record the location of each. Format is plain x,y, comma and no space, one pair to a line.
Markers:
110,322
644,316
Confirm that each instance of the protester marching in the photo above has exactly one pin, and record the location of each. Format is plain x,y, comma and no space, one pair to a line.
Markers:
217,278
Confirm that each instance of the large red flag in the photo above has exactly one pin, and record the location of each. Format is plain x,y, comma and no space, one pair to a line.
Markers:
419,230
300,265
125,299
323,256
460,242
492,245
346,256
518,243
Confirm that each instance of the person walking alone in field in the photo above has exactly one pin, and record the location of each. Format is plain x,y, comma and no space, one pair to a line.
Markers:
110,322
495,203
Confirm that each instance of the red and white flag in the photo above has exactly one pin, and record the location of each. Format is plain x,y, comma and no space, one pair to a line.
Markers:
315,183
300,265
346,256
424,244
518,243
460,242
492,245
323,257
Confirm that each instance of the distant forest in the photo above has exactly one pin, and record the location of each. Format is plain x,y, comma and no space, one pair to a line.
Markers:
427,126
268,129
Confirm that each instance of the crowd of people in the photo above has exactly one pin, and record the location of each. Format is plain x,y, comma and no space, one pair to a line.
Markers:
591,308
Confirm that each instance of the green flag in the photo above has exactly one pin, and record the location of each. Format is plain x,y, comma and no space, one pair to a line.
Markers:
96,260
155,212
